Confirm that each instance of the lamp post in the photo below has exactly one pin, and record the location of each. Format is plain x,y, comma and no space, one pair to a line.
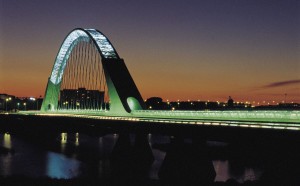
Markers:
7,100
24,105
18,105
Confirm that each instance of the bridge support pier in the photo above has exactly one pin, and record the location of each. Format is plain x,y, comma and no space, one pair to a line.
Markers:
187,164
131,160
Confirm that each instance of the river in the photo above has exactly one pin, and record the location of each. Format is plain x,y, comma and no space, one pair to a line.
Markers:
75,155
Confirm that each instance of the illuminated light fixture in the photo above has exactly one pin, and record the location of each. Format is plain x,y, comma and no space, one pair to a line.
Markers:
224,124
32,98
266,127
292,128
244,125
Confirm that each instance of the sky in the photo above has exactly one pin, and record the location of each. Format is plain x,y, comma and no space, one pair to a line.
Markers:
196,50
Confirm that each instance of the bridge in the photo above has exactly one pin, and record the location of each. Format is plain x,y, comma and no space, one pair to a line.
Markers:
90,80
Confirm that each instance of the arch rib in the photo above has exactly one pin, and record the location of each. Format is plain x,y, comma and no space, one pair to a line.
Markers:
103,45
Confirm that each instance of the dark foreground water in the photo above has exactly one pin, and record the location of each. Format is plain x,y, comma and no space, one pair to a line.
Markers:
75,155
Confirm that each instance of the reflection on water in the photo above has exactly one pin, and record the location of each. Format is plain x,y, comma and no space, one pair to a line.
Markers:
59,166
64,137
7,141
5,160
67,156
251,174
158,154
77,139
63,141
222,170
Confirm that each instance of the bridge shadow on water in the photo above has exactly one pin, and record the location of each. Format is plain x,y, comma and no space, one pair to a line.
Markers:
139,158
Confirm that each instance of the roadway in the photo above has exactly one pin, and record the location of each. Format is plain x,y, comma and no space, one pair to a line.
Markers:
285,131
277,120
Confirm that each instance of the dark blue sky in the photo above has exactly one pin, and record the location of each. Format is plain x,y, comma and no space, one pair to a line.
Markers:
173,49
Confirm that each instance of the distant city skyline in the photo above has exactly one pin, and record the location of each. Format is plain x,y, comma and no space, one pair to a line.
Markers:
250,102
195,50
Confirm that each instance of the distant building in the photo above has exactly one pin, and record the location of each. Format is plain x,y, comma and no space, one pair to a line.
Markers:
230,102
6,101
155,103
81,98
6,96
12,103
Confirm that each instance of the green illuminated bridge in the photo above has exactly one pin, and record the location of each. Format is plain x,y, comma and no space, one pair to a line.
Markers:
90,80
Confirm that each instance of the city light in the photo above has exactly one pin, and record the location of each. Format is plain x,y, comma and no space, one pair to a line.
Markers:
7,100
32,99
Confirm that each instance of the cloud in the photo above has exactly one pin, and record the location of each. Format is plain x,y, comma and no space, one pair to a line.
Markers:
282,83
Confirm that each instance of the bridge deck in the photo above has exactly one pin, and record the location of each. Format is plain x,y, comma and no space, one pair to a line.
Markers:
284,120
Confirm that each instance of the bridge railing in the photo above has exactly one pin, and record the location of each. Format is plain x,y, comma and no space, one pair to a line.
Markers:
275,116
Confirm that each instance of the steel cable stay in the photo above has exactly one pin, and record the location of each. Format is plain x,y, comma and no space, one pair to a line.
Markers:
83,84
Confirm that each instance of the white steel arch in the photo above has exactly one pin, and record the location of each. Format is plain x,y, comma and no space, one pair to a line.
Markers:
103,45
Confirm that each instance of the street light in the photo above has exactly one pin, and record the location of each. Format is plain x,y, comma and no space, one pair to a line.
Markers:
6,100
24,105
37,102
34,100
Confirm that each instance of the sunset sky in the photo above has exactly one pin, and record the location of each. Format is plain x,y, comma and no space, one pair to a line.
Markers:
197,50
